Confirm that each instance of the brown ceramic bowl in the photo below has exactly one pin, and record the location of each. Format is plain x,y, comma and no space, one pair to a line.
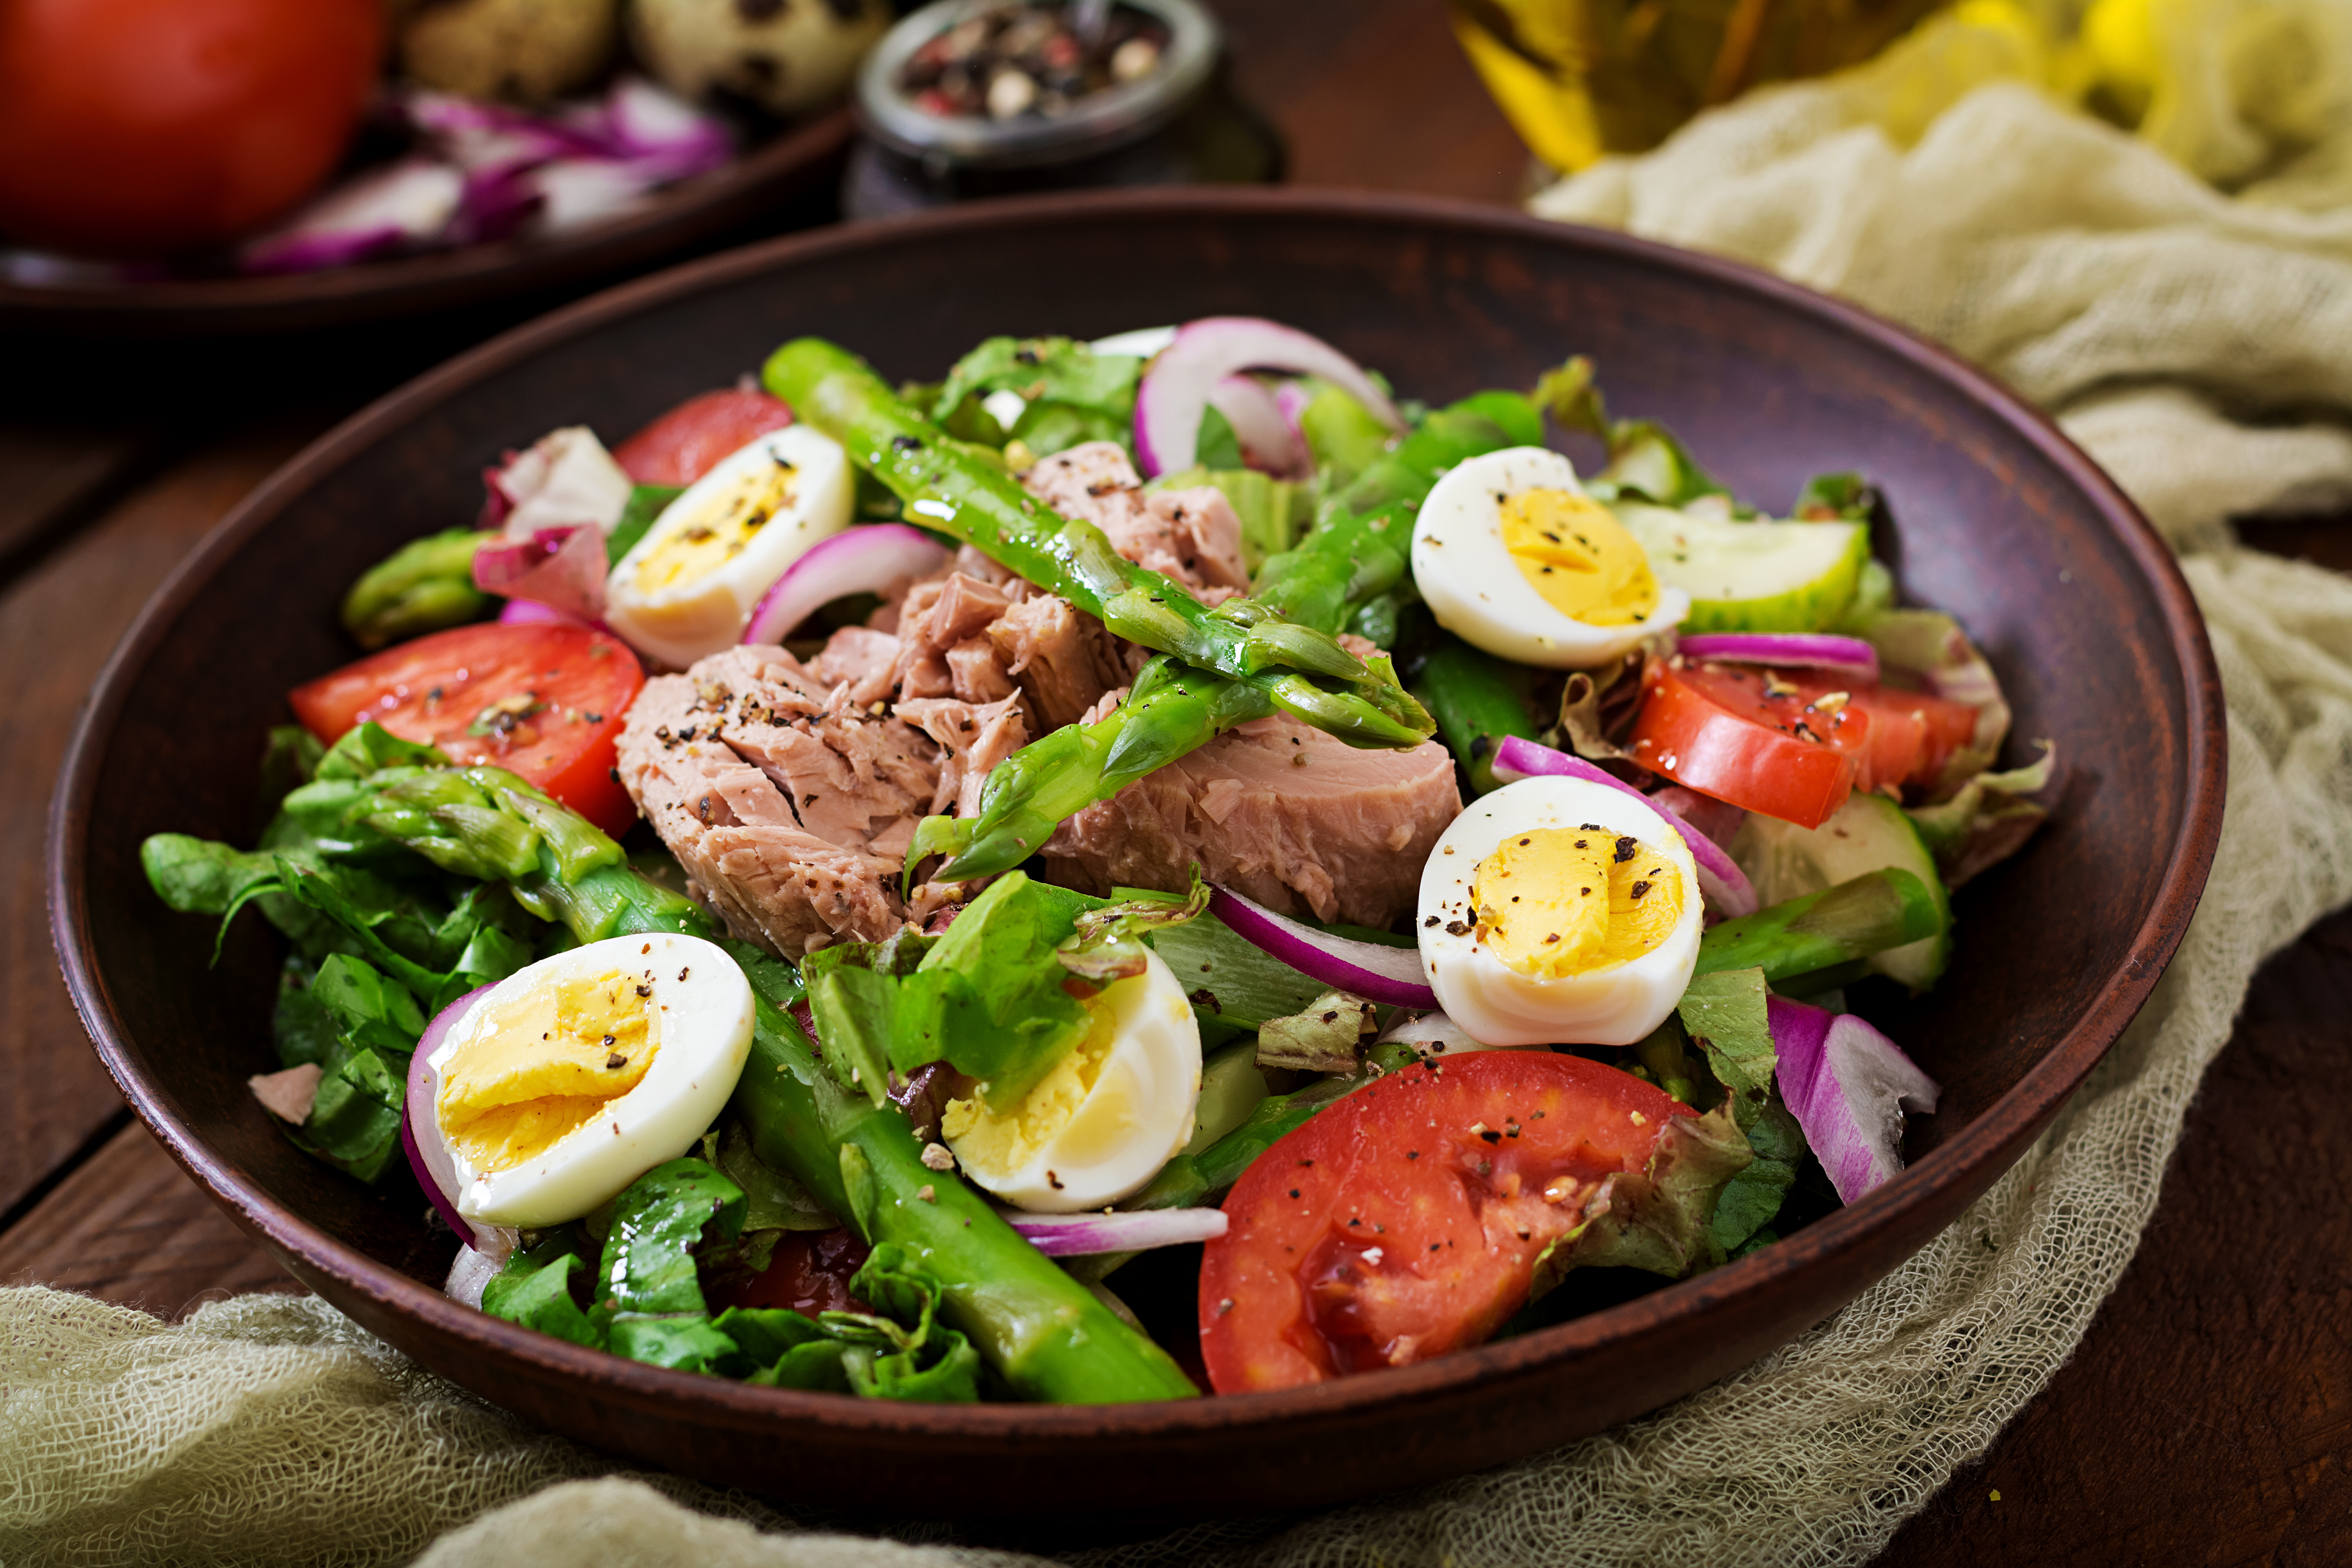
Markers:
701,211
1998,520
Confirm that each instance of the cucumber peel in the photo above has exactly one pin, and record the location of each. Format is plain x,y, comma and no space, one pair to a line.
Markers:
1759,576
1867,833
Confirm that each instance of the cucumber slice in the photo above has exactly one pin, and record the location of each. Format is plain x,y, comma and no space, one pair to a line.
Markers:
1756,576
1868,832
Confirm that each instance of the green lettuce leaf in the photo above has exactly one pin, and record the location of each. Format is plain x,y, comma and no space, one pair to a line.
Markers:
1725,1013
1072,394
536,1291
644,504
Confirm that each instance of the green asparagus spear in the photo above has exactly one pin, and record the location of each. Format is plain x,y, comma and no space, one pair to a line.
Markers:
963,491
1042,1330
1361,545
424,585
1477,700
1854,920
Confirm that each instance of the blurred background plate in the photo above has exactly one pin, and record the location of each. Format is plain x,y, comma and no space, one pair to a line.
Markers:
801,166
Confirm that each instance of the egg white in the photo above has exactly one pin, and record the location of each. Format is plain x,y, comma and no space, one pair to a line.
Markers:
1477,590
700,1012
1134,1119
686,621
1497,1004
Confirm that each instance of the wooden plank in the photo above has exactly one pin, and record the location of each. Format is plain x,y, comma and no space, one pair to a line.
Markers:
58,624
2208,1415
128,1227
1373,94
51,474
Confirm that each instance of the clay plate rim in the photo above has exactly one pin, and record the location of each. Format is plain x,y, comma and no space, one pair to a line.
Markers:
1996,1136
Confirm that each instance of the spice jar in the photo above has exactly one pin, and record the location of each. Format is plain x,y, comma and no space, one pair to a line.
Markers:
968,99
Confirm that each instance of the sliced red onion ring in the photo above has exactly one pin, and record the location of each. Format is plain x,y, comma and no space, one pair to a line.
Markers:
1807,650
1292,398
1722,884
404,204
1269,442
1848,1086
562,568
1182,380
470,1273
1076,1234
866,559
427,1156
1389,975
639,121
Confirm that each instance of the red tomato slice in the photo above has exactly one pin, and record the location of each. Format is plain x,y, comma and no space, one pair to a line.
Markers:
542,701
1722,731
1405,1221
1912,735
686,443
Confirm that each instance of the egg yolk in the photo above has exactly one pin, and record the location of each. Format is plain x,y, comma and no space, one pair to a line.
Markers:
1579,557
1005,1144
544,1065
1557,901
727,526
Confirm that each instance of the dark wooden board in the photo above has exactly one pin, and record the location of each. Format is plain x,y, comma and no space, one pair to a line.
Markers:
59,620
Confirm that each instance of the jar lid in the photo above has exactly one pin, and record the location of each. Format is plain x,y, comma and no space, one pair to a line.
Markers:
1097,123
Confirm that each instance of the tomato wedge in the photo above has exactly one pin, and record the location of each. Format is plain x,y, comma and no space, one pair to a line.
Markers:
542,701
1913,734
686,443
1405,1221
1747,736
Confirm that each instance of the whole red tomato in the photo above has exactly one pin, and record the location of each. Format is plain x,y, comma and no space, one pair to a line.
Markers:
146,126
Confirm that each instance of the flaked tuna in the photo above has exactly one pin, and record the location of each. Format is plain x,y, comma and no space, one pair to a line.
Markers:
1301,821
791,791
1191,535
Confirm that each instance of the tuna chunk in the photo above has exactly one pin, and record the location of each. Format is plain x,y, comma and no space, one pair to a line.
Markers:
1190,535
789,792
789,802
1301,821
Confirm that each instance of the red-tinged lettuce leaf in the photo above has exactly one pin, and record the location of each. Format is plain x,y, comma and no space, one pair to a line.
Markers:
1988,820
1659,1219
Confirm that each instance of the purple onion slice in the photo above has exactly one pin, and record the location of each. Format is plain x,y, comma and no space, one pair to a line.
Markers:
420,1134
1848,1086
1797,650
866,559
1721,882
1076,1234
1183,377
1269,441
1389,975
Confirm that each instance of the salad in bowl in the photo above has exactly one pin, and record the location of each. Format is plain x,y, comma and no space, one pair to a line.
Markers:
1141,867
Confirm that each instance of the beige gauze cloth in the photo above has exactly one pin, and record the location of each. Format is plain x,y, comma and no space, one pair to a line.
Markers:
2198,344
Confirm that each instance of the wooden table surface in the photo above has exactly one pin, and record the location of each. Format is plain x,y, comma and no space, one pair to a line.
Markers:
2207,1418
